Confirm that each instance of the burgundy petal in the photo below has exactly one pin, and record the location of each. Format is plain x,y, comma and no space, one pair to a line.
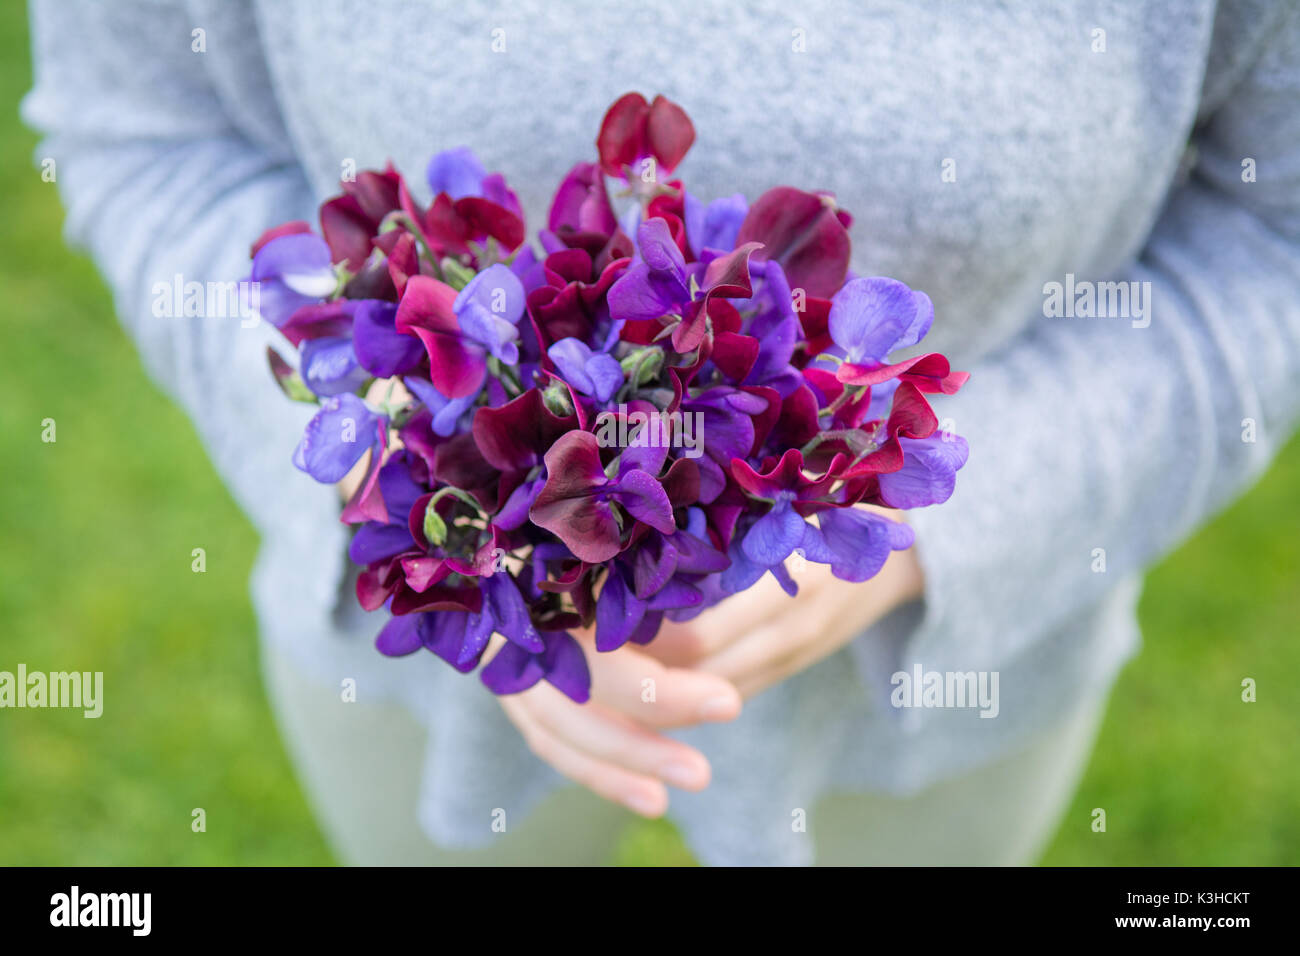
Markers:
801,231
515,436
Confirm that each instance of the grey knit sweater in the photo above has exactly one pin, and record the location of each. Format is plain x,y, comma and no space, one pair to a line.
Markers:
987,149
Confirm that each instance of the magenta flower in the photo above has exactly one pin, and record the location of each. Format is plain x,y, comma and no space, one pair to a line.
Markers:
581,204
461,330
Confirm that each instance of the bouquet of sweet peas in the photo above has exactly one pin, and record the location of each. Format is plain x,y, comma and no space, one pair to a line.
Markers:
634,423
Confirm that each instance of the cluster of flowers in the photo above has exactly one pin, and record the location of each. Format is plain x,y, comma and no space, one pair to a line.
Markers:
616,431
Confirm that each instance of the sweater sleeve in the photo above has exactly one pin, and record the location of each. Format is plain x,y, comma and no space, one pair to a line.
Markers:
163,187
1096,445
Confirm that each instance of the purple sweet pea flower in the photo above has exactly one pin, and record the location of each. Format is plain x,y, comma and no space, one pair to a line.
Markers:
400,636
501,598
727,428
743,574
591,373
461,637
489,309
292,271
458,637
379,540
715,226
659,284
929,472
771,304
873,317
855,543
459,174
665,574
379,347
882,400
618,610
456,172
561,664
529,269
647,445
514,512
329,366
774,536
336,438
775,350
446,412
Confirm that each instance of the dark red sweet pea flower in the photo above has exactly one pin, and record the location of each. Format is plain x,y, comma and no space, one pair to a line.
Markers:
515,436
930,373
581,204
802,232
351,221
402,257
910,417
449,225
670,206
634,129
572,303
577,501
326,320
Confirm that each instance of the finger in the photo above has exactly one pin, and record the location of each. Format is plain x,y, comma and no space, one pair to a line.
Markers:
678,644
774,671
809,632
806,634
616,739
641,794
741,660
634,684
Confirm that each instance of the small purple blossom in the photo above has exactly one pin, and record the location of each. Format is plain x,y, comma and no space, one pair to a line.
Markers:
329,366
292,271
591,373
875,316
489,309
337,436
446,411
929,472
379,347
714,227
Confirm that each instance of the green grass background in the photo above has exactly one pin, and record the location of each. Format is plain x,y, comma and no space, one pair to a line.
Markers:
95,538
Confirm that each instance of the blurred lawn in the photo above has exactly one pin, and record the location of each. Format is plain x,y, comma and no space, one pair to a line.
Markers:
95,540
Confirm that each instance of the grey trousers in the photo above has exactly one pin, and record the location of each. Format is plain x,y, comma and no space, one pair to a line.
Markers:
360,765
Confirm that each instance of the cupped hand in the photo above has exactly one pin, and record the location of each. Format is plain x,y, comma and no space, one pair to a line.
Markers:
612,745
763,636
